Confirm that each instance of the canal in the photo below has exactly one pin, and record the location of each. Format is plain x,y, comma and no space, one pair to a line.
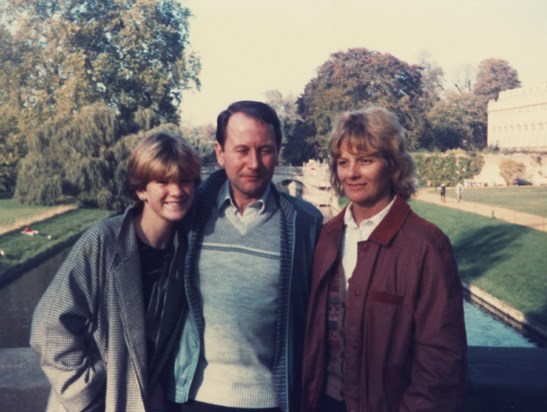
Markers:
19,298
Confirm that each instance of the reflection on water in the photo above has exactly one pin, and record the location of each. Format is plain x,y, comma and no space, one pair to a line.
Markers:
18,300
485,330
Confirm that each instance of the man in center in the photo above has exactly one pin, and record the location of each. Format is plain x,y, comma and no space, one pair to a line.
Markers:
247,276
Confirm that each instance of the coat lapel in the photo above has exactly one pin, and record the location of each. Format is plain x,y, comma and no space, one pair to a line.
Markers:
131,304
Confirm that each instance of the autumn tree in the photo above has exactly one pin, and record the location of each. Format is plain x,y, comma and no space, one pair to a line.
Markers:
356,78
493,77
458,121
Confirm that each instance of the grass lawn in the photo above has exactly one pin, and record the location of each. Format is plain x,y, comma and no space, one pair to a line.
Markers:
11,210
19,248
525,199
507,261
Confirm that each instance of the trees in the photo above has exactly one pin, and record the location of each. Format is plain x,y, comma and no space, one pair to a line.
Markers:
129,55
11,141
112,60
494,76
79,157
458,121
295,150
71,157
356,78
202,139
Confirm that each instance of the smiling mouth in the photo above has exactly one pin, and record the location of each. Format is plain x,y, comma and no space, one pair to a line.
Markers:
175,202
356,186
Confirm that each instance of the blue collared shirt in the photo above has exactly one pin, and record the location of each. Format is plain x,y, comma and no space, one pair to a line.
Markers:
254,214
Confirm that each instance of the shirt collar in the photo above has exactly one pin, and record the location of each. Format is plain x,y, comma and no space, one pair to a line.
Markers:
225,200
375,220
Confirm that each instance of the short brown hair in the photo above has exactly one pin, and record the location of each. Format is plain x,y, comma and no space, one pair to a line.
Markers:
374,129
257,110
162,155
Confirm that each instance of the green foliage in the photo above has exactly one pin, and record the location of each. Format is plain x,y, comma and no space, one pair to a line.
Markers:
69,157
357,78
458,121
511,169
129,55
202,139
79,158
11,143
450,168
59,62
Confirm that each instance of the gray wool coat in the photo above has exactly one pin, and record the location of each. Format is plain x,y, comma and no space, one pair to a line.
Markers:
89,326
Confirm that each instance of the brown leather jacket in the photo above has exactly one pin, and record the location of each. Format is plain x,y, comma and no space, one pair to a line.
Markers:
405,346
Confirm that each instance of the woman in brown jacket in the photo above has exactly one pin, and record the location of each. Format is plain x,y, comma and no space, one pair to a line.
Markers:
385,328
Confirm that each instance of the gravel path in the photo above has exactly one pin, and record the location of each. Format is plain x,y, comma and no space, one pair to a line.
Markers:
508,215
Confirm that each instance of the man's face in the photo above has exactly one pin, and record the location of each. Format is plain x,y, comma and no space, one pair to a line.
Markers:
249,157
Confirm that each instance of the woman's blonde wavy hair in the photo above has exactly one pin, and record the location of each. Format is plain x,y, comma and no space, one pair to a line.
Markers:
374,130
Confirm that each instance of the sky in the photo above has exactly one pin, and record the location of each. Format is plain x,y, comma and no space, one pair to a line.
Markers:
248,47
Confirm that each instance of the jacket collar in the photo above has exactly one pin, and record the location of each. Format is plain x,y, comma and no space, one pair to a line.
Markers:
392,222
384,232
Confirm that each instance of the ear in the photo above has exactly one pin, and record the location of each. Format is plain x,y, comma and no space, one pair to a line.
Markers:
140,194
219,153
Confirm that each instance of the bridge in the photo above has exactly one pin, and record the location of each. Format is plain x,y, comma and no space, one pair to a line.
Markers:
282,173
310,182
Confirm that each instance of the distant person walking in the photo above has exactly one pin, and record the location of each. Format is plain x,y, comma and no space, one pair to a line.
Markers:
459,191
443,193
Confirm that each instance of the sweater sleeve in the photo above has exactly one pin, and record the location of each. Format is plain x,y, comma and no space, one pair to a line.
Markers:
63,328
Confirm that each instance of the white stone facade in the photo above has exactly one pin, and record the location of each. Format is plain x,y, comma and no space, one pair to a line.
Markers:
518,119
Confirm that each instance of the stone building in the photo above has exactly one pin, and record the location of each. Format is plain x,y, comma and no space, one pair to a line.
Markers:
518,119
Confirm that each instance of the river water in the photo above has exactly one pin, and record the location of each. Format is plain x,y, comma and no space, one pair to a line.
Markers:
19,298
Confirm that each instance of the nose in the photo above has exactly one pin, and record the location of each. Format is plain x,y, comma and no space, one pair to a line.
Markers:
175,189
254,160
354,169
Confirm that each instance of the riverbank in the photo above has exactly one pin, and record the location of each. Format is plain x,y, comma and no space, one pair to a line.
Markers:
29,221
22,251
483,296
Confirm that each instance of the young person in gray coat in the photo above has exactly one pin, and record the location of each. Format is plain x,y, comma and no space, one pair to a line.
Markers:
104,328
248,270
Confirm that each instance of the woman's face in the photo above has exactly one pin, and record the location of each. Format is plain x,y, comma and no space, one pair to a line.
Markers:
365,178
167,200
